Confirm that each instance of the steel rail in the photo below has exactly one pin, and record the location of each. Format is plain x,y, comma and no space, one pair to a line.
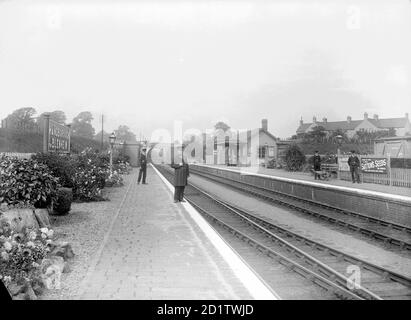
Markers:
333,275
292,265
388,274
371,233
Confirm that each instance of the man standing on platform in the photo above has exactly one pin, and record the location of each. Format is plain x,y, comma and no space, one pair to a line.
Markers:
143,166
317,165
181,173
354,164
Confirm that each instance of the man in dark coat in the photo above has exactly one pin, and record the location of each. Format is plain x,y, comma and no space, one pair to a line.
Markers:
354,164
317,165
143,166
181,173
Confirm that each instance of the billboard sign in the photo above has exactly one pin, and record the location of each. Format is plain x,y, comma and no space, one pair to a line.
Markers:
374,165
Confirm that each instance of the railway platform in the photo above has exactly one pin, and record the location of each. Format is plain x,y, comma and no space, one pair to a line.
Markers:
156,249
305,176
392,209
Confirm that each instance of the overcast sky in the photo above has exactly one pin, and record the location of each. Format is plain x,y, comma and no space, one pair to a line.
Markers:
147,63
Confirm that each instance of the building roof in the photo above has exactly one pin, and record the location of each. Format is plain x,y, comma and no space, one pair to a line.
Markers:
389,122
331,125
303,127
345,125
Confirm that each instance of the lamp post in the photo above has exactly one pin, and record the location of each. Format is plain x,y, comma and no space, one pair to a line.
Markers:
112,140
339,141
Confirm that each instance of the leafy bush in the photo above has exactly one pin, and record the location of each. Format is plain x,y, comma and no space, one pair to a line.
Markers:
121,157
63,201
294,158
62,166
26,181
92,170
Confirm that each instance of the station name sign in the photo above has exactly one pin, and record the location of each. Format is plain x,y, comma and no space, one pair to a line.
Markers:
374,165
57,137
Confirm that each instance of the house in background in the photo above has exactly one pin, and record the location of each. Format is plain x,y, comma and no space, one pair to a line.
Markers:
401,126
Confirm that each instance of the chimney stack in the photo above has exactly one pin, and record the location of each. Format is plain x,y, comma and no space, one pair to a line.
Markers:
325,120
264,124
376,117
314,119
301,121
349,119
365,115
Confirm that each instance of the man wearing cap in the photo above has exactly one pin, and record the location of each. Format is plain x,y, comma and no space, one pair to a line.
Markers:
181,173
143,166
354,164
317,165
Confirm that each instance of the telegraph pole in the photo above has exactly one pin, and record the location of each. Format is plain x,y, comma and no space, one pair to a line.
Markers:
102,131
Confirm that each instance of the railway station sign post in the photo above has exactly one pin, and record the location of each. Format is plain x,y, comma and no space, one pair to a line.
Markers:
56,137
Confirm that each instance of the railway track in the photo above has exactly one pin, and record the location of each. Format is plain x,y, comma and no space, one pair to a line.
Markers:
318,263
387,233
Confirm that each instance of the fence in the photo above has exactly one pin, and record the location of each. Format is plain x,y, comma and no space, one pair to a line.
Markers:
17,154
398,174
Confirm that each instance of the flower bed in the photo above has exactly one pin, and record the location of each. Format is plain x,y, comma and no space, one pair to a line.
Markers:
21,255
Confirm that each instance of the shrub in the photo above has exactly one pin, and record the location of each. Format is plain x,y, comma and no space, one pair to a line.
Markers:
63,201
26,181
294,158
92,170
62,166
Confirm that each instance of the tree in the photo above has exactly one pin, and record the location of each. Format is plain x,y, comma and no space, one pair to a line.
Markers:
221,125
318,133
336,133
56,115
21,118
124,134
81,125
105,136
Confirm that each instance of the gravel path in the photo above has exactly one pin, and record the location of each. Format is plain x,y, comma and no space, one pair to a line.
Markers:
84,228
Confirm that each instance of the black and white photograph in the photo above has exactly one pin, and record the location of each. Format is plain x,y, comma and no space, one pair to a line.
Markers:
205,155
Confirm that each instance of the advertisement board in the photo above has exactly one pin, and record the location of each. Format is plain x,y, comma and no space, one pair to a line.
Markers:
374,165
343,163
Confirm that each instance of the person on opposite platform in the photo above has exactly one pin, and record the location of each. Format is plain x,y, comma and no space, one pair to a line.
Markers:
181,173
143,166
354,164
317,165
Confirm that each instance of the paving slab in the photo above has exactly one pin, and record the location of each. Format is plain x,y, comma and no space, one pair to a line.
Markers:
154,250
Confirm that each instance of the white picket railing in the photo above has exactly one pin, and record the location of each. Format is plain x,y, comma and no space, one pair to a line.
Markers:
17,154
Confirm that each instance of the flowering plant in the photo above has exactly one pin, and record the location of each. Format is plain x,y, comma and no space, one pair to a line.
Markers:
122,167
92,170
114,179
21,253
